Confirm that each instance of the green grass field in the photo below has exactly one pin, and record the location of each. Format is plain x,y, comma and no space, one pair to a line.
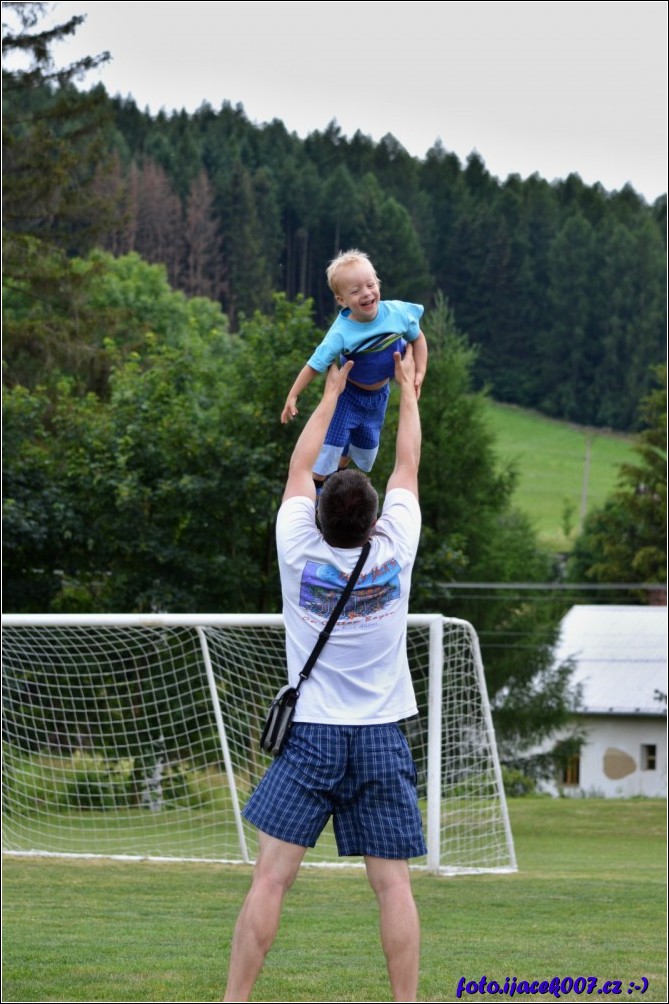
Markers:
588,901
561,468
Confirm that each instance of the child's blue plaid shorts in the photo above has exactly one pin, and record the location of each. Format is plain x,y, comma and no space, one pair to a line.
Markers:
355,429
361,775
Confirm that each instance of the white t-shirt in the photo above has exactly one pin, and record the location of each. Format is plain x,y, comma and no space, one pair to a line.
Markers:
362,675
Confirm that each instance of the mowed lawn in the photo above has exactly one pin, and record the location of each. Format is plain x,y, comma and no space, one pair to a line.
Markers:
563,469
587,902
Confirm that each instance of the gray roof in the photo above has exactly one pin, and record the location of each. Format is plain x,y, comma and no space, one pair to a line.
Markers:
620,655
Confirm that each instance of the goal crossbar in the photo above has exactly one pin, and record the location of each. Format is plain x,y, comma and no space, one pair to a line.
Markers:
137,736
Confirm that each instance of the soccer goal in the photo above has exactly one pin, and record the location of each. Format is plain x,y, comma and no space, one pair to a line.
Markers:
137,736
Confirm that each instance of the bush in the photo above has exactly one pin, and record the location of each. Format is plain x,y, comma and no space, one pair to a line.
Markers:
516,783
95,783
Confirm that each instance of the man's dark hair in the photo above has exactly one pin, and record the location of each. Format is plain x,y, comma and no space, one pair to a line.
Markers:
347,509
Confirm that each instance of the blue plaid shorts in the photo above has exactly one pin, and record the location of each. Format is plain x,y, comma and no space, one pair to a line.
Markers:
358,417
355,429
361,775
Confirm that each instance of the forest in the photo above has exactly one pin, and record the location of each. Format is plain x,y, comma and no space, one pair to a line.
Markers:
164,282
560,286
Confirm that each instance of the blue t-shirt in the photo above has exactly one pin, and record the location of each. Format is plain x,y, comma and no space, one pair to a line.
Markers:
370,344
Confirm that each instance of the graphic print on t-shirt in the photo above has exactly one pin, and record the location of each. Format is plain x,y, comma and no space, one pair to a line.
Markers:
322,584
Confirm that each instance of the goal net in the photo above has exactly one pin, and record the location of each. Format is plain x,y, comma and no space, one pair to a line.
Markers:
137,736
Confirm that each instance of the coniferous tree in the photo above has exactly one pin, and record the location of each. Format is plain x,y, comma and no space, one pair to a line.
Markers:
52,137
52,143
246,277
159,235
202,267
628,304
626,539
119,188
266,192
569,347
301,193
386,232
442,196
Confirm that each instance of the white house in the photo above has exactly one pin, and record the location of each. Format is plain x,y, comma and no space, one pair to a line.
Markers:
620,659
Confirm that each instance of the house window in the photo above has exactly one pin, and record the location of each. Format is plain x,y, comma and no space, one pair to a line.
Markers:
571,771
648,756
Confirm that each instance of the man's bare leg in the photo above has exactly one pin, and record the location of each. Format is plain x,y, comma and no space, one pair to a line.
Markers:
275,870
400,927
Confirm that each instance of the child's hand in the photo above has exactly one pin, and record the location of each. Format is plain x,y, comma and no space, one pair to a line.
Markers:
418,383
289,409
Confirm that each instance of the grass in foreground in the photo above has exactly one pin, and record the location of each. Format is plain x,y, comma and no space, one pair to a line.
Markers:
588,900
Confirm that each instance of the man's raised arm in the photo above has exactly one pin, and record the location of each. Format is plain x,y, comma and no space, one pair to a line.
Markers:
408,443
300,479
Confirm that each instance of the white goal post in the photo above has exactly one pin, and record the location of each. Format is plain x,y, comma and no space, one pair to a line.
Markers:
137,736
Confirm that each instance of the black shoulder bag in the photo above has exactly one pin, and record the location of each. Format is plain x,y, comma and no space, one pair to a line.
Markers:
282,708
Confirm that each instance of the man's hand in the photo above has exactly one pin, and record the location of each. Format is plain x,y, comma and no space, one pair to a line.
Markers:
405,367
336,378
419,347
408,442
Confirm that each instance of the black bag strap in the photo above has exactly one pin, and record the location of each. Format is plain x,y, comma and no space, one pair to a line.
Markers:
334,616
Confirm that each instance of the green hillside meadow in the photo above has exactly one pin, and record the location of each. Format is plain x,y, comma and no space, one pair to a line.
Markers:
564,470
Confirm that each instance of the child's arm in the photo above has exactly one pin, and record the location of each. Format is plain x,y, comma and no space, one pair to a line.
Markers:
304,378
420,360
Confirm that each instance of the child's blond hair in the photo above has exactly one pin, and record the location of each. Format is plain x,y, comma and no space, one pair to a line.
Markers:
350,257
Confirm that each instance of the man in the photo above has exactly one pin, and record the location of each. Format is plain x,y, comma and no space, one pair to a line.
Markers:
346,755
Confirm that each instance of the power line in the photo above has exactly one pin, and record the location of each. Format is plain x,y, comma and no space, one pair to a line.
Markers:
553,586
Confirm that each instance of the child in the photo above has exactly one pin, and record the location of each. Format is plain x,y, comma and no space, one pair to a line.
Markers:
368,330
